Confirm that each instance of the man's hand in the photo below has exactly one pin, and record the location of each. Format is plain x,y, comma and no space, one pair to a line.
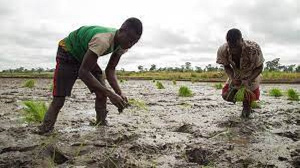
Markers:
117,101
124,98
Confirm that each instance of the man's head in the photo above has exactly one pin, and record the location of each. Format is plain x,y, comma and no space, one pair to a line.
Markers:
234,40
129,33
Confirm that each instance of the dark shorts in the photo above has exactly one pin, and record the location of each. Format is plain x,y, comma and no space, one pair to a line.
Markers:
66,73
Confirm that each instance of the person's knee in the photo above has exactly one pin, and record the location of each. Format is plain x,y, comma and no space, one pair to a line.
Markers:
58,102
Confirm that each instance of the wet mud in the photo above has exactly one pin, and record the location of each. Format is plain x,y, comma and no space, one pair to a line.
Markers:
168,131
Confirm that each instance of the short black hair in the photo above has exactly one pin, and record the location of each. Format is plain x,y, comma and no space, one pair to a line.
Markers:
134,23
233,35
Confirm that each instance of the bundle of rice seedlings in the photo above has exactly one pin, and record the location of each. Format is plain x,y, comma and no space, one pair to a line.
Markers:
29,83
218,86
121,81
153,80
293,95
275,92
242,93
34,111
185,92
159,85
138,103
174,82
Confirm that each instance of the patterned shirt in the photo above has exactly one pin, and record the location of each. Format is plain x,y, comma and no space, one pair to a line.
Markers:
251,58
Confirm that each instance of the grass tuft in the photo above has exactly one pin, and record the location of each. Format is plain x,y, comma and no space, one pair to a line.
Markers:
174,82
193,80
275,92
29,83
34,111
138,103
255,105
218,85
159,85
185,92
293,95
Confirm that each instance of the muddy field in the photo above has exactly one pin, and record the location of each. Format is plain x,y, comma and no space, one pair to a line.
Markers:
169,131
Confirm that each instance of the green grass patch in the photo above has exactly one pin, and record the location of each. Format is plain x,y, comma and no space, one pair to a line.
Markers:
255,105
184,91
159,85
193,80
29,83
275,92
140,104
293,95
174,82
218,86
34,111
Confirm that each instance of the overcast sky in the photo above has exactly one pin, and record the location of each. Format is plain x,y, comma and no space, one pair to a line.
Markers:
175,31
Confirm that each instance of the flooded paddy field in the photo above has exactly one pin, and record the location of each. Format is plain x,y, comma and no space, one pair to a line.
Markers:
165,131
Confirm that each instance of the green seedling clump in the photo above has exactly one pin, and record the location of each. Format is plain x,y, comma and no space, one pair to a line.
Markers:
275,92
121,81
138,103
174,82
34,111
255,105
185,92
193,80
293,95
29,83
242,93
159,85
218,86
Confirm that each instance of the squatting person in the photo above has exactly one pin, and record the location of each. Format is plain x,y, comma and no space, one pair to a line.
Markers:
77,56
243,63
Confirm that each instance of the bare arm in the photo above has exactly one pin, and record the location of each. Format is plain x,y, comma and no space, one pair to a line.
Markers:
111,72
88,63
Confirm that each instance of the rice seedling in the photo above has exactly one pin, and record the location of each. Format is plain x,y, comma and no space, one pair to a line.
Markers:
193,80
29,83
293,95
159,85
275,92
122,81
218,86
34,111
138,104
174,82
255,105
242,93
184,91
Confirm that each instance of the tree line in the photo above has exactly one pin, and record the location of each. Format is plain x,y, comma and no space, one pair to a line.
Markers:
270,66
